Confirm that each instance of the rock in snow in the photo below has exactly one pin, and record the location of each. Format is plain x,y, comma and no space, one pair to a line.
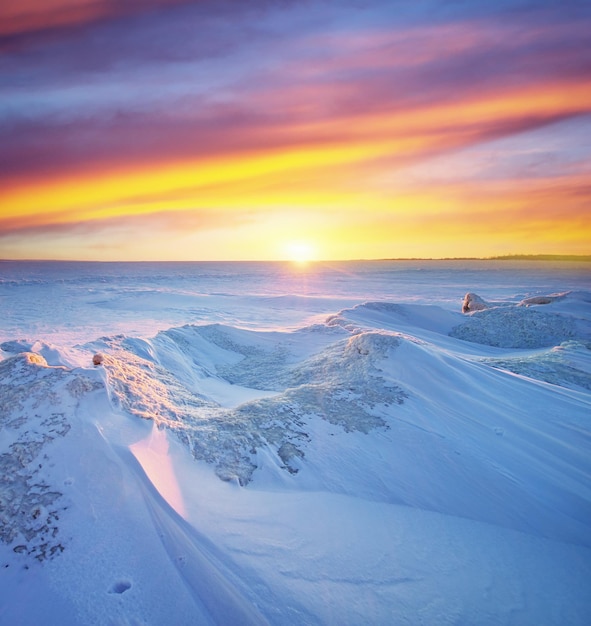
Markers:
473,302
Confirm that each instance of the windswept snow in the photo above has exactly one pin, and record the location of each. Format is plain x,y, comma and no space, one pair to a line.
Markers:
385,462
341,383
527,326
35,404
516,328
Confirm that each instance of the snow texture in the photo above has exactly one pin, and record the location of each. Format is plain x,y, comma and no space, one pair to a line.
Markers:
382,460
341,384
35,403
520,326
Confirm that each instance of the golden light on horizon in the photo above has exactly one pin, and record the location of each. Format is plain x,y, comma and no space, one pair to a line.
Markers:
300,252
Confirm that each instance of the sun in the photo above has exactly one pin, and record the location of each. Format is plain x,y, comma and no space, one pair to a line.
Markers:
300,252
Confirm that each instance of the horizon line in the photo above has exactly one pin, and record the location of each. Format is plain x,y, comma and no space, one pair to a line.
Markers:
504,257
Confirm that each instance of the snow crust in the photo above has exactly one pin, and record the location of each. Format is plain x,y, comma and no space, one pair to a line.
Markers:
388,461
531,327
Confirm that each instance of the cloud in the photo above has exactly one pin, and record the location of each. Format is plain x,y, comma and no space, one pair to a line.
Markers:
169,223
18,17
327,90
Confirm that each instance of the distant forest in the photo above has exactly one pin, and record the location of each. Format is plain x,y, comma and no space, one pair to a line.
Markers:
585,258
542,257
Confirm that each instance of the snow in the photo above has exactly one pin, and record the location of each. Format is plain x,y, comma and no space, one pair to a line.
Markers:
384,460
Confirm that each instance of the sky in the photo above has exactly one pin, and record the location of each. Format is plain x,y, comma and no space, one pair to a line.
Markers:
283,129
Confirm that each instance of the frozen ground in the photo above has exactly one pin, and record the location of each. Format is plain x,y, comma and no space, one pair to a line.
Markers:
384,461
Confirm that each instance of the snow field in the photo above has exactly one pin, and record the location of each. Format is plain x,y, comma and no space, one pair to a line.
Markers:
378,466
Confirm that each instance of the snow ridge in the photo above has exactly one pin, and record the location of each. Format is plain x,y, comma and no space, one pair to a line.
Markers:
341,384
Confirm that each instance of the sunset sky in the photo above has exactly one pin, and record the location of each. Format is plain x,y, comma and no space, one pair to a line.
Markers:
273,129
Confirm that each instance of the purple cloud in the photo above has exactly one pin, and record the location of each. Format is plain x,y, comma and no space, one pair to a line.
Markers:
162,80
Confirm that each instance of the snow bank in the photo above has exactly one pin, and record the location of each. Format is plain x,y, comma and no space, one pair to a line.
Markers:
340,383
413,404
515,328
86,537
522,326
29,506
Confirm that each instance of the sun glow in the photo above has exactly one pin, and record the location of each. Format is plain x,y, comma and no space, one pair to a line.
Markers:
300,252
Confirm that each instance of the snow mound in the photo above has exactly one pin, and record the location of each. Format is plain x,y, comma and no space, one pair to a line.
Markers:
513,327
340,383
370,413
85,537
30,504
396,317
50,353
537,300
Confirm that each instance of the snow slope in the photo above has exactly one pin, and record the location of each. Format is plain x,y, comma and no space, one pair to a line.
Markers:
391,463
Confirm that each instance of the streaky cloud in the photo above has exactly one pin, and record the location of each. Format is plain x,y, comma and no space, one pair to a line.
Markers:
61,224
325,91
